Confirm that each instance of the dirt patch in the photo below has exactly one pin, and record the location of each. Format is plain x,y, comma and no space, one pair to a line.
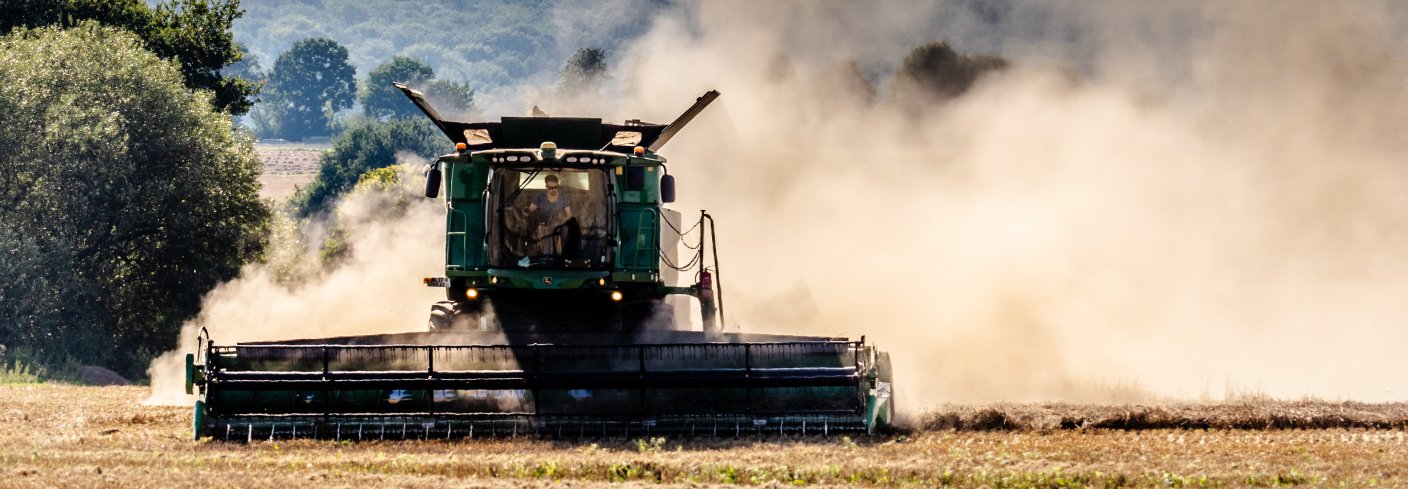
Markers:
280,187
286,168
279,160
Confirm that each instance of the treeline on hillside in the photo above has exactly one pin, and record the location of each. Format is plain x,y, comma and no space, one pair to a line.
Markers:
483,43
457,47
311,87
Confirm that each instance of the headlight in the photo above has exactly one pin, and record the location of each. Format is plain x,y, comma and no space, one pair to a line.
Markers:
616,295
471,293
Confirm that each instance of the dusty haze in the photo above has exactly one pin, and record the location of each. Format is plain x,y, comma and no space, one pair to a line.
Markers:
1185,202
394,238
1189,202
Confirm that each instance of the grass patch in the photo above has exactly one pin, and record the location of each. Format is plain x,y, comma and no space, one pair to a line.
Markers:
17,373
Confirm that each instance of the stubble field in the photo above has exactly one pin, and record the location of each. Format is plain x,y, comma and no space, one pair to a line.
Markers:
286,167
67,436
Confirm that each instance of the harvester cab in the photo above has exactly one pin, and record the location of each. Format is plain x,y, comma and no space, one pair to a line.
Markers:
559,258
557,225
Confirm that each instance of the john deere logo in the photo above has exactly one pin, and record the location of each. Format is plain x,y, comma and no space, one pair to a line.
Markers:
547,280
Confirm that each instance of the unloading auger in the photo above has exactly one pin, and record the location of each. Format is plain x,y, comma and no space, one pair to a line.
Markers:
556,319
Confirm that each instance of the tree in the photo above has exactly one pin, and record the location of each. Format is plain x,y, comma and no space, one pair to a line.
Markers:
195,33
266,115
311,81
584,72
366,144
934,72
381,100
451,99
124,197
249,70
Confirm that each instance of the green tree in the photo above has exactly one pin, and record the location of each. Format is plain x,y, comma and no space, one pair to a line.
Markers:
195,33
381,100
249,70
584,72
266,115
309,83
934,72
124,197
367,144
453,100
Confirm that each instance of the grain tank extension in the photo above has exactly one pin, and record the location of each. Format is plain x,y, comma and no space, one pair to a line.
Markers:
561,289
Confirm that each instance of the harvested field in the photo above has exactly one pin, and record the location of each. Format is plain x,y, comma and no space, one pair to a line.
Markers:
1246,415
58,435
286,167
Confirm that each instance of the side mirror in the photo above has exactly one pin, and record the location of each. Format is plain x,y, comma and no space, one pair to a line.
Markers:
667,188
432,181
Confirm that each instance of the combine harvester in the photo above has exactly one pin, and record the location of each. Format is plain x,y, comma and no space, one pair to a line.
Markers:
555,321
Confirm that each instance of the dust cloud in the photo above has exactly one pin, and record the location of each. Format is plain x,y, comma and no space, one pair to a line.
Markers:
394,237
1189,202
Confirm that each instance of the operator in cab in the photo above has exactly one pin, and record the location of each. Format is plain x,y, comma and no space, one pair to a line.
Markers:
555,224
553,207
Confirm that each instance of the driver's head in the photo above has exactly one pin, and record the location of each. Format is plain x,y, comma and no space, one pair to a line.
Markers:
552,184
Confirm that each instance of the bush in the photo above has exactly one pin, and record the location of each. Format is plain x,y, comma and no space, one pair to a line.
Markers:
365,145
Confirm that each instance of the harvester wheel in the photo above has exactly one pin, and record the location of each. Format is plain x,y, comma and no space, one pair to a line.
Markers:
446,315
442,316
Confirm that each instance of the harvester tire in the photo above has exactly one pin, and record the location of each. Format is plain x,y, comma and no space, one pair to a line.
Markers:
448,315
442,316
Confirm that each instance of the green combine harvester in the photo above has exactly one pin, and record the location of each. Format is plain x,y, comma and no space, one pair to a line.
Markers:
555,321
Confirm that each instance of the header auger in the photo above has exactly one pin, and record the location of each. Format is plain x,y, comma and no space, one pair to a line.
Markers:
558,318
